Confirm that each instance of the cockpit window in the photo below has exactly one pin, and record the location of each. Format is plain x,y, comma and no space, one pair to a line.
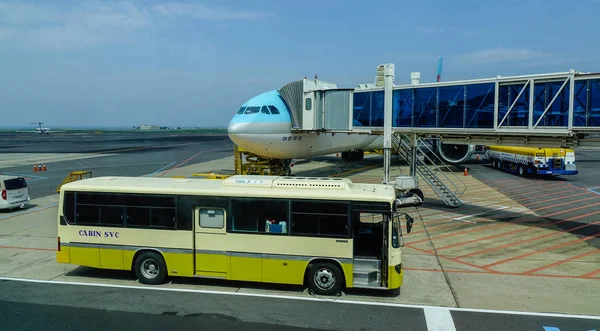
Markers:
274,110
241,111
265,110
252,110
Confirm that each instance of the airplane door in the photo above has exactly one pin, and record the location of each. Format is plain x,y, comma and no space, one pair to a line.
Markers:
210,244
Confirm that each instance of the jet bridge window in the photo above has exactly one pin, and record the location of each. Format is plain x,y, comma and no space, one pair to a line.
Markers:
274,110
308,104
252,110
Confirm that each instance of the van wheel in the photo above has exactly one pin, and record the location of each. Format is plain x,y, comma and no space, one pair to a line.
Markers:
325,278
150,268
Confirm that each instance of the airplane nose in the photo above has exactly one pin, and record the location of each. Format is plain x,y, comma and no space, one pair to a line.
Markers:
239,128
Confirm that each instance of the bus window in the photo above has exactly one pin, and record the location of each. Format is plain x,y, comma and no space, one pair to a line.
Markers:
212,218
319,219
252,215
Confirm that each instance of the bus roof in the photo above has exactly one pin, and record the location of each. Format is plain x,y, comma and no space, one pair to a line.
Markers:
241,185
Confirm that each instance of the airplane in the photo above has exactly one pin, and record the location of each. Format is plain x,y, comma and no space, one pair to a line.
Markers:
39,129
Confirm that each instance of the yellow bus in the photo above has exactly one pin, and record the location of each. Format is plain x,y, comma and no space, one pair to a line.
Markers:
326,233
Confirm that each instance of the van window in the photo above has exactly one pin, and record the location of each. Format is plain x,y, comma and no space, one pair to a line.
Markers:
15,183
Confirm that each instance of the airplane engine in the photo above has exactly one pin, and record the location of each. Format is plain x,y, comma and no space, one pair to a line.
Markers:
455,153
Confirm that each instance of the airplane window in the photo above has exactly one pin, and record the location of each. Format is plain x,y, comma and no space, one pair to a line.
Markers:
252,110
241,111
265,110
274,110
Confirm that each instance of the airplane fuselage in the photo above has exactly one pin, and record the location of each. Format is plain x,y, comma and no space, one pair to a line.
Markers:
263,126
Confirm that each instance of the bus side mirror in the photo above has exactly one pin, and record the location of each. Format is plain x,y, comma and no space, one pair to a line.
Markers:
409,223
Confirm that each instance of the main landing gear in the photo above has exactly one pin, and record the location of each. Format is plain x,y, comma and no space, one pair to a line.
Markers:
355,155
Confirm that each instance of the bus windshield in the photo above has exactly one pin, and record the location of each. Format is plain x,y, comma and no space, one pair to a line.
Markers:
397,228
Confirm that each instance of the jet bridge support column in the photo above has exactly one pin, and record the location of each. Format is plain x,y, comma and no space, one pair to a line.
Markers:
413,155
388,75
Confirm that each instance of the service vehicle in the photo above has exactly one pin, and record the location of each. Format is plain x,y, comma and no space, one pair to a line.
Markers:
532,160
14,192
327,233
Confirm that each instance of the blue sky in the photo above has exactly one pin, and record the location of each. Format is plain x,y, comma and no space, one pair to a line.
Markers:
193,63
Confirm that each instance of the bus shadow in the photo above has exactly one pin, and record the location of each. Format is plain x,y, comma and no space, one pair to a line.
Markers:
106,276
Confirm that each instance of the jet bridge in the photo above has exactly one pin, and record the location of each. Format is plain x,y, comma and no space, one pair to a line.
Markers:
544,110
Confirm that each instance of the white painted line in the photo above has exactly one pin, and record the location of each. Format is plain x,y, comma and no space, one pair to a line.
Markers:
594,190
27,211
290,297
462,218
439,319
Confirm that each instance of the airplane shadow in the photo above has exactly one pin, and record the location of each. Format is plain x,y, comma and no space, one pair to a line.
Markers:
507,215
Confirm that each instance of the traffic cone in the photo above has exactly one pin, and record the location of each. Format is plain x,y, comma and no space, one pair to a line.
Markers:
44,167
35,168
466,173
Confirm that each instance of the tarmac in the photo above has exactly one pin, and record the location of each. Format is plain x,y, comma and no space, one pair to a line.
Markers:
518,244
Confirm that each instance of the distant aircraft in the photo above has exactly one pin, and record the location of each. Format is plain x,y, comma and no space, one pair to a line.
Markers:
39,129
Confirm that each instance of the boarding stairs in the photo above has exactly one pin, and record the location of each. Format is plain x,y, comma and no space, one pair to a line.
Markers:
434,172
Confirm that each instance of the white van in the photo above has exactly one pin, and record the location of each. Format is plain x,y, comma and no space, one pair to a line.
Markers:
15,192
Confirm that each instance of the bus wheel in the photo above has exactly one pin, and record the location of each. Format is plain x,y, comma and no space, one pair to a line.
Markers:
150,268
325,278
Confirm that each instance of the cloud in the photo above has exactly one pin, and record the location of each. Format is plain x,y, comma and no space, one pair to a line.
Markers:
97,22
200,11
500,54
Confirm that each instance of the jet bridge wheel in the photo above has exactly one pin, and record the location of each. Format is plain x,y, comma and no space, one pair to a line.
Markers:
419,193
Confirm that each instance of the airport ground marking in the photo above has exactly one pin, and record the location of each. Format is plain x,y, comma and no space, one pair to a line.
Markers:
519,220
439,319
28,211
557,263
180,164
563,203
301,298
454,215
557,198
576,241
594,190
555,233
591,274
28,248
161,169
502,273
355,170
531,196
572,209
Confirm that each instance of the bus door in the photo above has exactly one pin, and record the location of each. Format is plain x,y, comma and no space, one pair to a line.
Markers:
210,255
370,249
